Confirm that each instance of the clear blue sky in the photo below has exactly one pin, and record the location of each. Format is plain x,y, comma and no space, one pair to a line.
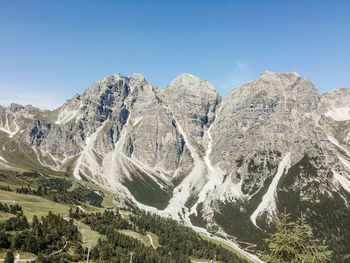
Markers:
50,50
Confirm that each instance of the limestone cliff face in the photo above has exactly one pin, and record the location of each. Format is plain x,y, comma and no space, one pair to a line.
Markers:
168,130
16,116
260,122
194,103
335,122
274,142
98,117
153,137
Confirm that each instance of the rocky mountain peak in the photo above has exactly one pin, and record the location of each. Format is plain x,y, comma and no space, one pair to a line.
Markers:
288,88
193,101
110,79
339,96
271,74
137,76
99,87
15,107
276,81
289,79
335,104
116,84
191,82
138,82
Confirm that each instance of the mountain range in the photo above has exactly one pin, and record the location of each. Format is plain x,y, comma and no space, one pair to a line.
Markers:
227,166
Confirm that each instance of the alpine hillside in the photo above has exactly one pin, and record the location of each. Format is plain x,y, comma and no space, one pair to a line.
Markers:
224,166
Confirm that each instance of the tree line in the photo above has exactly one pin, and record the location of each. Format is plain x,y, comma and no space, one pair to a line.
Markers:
60,190
177,243
41,237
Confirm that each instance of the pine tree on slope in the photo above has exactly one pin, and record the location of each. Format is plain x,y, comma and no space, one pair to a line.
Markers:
294,243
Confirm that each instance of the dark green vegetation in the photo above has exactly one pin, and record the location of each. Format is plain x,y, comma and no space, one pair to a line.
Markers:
54,238
58,189
265,166
60,238
242,227
177,243
198,220
5,188
297,191
11,209
113,235
9,258
42,237
191,201
293,243
328,218
147,191
234,217
182,240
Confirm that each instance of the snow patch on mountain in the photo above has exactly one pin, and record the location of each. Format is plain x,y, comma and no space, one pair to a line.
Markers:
268,201
339,114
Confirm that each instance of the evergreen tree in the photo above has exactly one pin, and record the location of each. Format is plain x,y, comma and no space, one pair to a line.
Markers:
294,243
9,258
4,240
78,249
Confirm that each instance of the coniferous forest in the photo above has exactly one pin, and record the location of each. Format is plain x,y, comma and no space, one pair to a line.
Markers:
56,239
